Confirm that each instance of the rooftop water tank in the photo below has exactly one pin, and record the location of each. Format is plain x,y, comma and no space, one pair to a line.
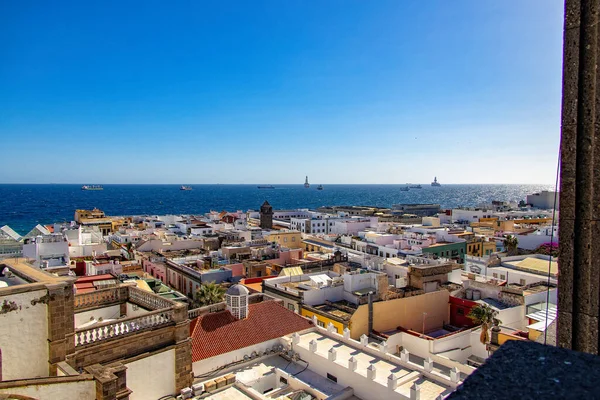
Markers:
476,294
469,294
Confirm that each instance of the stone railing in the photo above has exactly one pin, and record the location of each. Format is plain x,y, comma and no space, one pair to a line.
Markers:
97,298
123,327
149,301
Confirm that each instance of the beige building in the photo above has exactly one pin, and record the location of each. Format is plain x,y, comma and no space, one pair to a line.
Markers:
290,239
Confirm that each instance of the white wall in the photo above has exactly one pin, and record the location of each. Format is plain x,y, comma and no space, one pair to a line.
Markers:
82,390
24,337
133,310
112,312
533,241
152,377
513,317
210,364
86,250
318,296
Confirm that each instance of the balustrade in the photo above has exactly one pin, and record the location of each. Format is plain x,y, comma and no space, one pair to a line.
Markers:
97,298
123,327
148,300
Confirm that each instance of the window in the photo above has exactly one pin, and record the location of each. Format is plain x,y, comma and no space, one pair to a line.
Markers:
292,307
460,311
502,276
495,275
284,240
321,323
522,282
282,380
331,377
293,239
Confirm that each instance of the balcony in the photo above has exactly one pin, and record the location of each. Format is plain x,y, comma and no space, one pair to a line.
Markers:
138,311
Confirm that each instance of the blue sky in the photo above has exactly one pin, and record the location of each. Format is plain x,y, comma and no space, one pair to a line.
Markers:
270,91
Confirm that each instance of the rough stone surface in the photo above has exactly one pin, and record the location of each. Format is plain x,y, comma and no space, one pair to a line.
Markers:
526,370
579,221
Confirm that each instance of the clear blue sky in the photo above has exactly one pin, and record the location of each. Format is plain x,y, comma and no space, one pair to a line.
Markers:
269,91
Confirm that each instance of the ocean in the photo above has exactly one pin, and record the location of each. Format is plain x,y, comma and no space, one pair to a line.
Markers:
22,206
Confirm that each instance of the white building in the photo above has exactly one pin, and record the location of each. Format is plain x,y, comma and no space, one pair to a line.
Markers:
325,365
47,250
543,200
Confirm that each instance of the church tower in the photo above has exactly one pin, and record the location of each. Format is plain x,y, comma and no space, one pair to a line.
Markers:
266,216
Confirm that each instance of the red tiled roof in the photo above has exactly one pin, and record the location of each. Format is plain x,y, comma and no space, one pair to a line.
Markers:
219,333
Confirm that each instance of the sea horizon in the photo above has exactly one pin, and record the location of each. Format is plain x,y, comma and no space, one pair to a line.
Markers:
22,206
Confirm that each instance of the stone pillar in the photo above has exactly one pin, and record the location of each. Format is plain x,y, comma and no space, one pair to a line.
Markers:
107,384
579,222
61,323
183,349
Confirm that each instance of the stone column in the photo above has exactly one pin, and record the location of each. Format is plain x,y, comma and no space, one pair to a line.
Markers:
579,223
61,323
183,348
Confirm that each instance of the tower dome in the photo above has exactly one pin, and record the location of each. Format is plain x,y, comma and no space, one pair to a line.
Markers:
237,301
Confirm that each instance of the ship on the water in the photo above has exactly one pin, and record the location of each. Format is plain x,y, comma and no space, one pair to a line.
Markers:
306,184
183,187
92,187
404,189
416,187
320,187
435,182
266,187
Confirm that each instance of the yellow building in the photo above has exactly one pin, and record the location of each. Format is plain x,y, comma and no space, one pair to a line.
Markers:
93,218
326,314
480,247
290,239
426,311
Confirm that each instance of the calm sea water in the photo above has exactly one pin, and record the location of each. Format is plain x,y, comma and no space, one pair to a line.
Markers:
24,206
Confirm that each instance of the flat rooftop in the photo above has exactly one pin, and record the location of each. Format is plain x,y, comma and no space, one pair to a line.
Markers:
430,389
333,311
535,265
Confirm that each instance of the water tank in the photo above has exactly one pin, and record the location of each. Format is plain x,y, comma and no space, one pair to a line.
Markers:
469,294
476,294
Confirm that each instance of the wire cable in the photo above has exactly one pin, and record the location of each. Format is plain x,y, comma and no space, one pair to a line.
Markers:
551,247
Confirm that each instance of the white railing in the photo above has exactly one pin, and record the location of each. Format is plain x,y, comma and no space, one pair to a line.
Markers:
97,298
122,327
148,300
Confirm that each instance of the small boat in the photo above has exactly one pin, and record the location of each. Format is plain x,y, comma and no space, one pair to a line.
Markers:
306,184
416,187
183,187
320,187
266,187
404,189
92,187
435,182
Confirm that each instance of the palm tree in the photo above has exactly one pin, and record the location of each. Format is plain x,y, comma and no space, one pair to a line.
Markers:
485,316
207,294
510,244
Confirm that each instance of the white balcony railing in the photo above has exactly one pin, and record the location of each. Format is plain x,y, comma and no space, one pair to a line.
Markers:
123,327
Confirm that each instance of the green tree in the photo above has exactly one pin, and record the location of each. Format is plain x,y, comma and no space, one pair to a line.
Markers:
485,316
511,244
207,294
